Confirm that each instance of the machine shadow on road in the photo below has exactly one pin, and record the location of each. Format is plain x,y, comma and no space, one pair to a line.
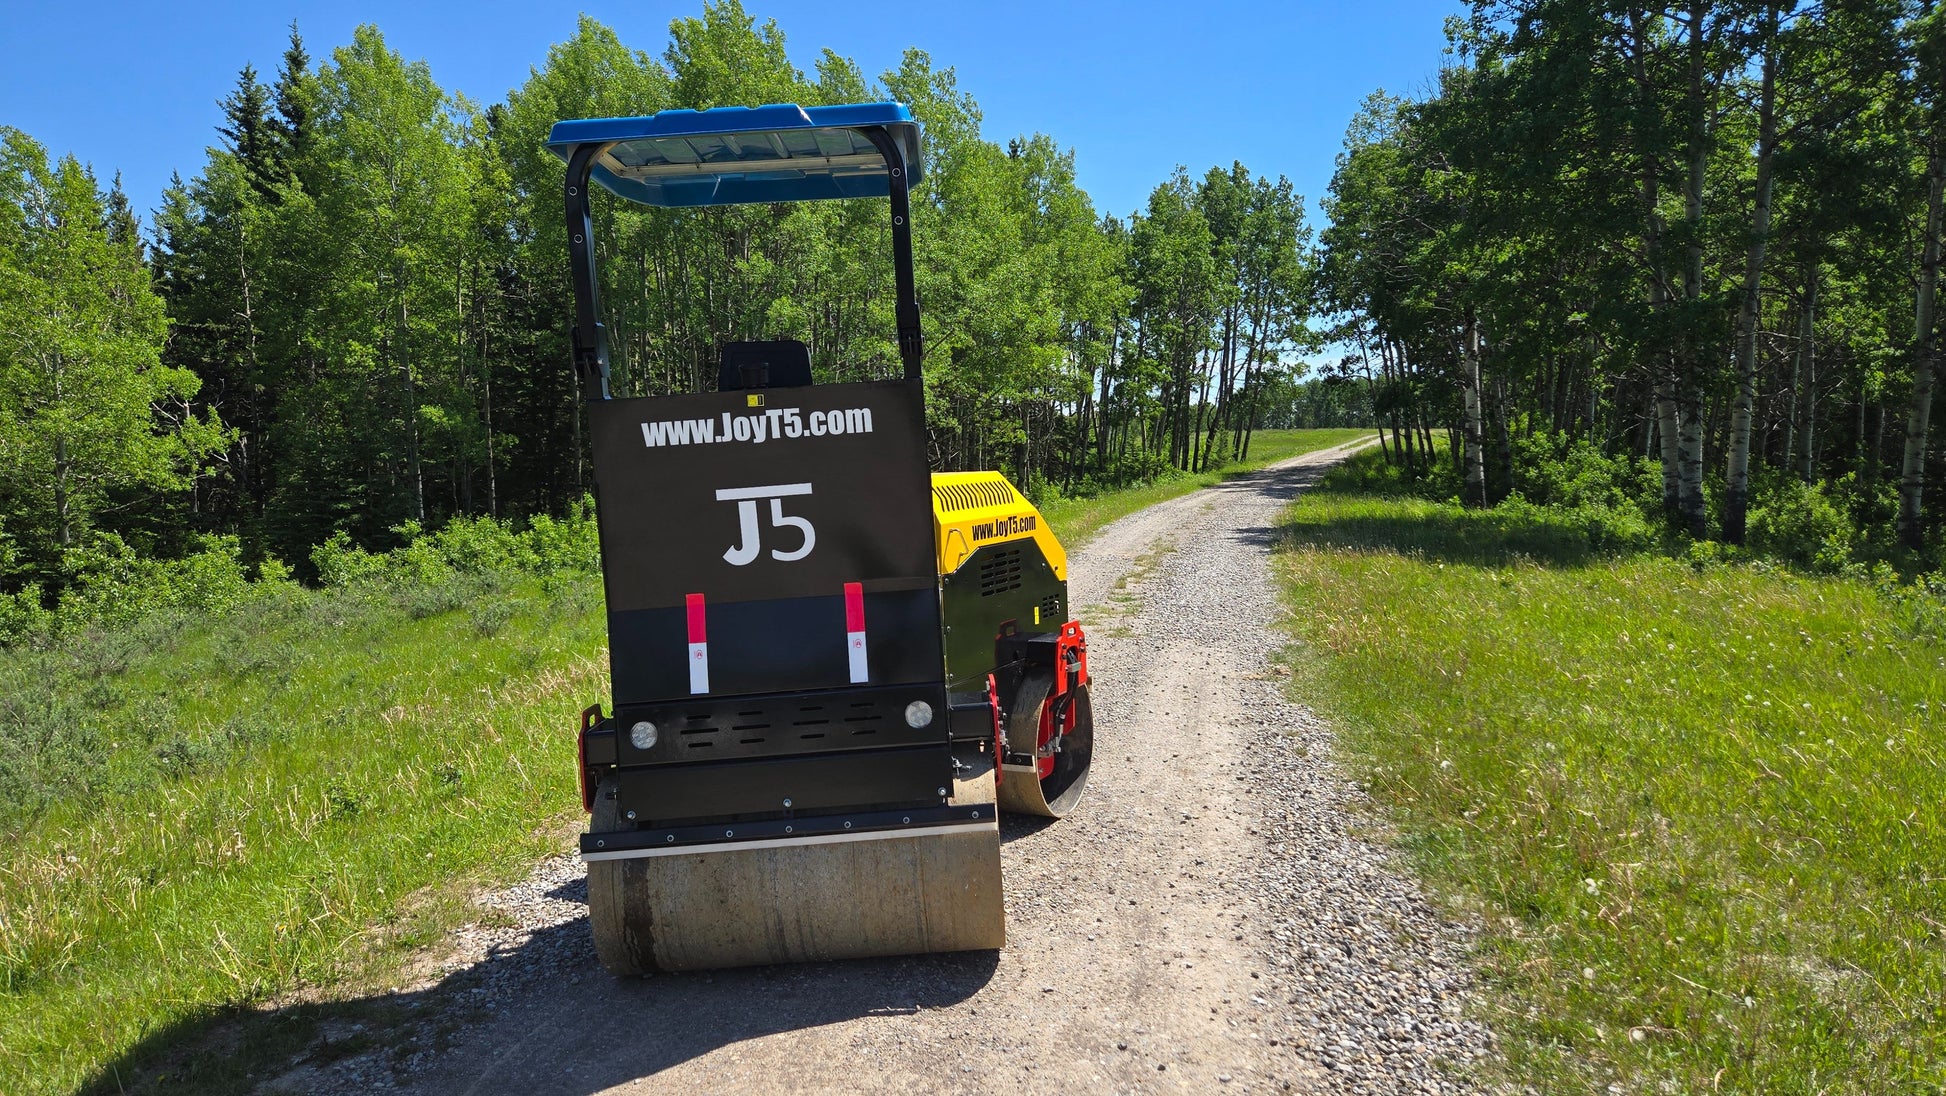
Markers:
1013,827
478,1023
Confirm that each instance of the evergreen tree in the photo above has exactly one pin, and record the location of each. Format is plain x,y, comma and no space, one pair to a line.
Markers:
291,98
250,133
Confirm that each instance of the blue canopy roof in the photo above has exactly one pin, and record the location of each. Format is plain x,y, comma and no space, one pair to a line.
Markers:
736,155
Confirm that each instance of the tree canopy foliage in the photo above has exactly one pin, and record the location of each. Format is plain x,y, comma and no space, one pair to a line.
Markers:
91,412
365,295
1705,233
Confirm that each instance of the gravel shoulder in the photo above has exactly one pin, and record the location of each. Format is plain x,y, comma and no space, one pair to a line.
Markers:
1210,919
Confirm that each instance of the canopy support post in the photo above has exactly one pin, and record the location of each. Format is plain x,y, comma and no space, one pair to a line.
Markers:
911,342
590,336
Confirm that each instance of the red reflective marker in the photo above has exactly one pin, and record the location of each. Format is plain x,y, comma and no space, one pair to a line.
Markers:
698,645
855,631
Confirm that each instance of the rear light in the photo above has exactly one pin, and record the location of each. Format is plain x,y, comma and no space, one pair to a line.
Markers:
590,719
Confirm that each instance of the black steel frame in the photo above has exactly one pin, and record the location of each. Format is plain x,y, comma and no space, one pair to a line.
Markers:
916,819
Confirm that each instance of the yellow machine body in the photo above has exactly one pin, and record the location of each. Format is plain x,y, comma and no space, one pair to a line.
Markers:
971,510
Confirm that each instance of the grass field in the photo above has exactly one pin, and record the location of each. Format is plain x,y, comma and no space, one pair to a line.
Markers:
338,772
1701,814
1077,519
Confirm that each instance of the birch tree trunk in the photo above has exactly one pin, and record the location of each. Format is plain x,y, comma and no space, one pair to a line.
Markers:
246,473
486,376
1251,354
1867,456
1666,431
1503,437
1371,394
1689,386
1925,351
1226,381
1736,489
1689,456
411,411
1665,402
1476,463
63,513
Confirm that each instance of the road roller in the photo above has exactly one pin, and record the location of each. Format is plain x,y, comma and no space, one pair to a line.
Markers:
829,666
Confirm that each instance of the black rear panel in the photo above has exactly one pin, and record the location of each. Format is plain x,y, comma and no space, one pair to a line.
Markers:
685,513
750,790
744,535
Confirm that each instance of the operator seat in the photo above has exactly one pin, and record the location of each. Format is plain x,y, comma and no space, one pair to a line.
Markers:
779,363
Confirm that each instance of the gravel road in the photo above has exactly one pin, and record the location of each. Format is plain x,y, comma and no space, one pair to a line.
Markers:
1211,919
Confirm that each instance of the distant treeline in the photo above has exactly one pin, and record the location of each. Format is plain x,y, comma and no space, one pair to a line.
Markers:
1704,233
355,314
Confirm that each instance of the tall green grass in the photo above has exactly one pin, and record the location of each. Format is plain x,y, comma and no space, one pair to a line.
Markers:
289,792
1699,809
1078,519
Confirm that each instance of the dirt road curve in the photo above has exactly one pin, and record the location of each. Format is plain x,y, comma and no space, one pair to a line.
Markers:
1208,921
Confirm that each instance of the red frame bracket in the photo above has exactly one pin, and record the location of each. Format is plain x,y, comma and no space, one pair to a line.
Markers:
999,732
1070,650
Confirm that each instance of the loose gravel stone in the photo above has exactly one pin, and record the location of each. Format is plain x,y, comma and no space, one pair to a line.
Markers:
1354,951
1213,915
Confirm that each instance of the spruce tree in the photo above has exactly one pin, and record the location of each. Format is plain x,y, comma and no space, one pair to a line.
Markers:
291,99
249,133
119,220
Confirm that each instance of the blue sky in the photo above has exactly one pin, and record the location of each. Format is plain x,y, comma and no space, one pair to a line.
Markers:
1133,88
